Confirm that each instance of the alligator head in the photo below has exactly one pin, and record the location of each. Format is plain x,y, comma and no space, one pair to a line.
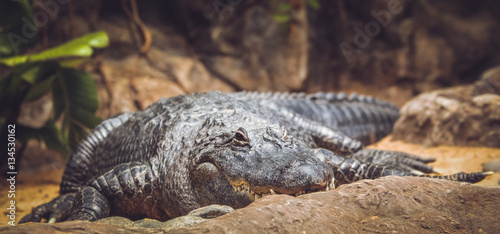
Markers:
244,160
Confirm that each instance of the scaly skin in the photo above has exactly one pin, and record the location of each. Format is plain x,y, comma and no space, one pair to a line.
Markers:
192,151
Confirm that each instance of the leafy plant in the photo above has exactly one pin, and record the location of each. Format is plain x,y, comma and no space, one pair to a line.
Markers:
284,14
74,93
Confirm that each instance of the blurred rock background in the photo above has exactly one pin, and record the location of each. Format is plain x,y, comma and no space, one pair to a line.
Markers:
391,49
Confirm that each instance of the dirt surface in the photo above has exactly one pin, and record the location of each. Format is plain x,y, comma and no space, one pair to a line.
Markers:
449,159
35,189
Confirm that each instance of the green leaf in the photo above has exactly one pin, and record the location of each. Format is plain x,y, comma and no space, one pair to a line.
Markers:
82,92
5,46
40,89
72,62
52,138
11,94
75,97
30,74
314,4
59,97
74,89
80,47
84,117
281,18
75,135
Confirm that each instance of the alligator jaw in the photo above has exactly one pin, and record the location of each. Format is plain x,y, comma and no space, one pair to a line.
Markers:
245,188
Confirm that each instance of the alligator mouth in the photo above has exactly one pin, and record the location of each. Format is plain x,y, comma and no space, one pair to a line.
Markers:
244,187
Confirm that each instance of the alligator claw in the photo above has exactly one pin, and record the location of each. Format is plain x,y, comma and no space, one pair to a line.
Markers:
56,210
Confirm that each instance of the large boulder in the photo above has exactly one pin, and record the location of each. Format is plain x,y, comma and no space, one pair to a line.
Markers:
465,115
390,204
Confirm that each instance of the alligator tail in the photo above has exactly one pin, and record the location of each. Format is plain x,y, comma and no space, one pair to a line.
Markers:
462,176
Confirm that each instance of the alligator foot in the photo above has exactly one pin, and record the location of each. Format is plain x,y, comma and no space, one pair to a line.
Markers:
56,210
90,205
407,162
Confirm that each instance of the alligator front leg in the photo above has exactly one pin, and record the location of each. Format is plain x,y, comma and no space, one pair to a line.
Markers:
127,189
90,205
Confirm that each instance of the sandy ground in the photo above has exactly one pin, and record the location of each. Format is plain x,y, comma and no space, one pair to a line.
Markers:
33,189
449,159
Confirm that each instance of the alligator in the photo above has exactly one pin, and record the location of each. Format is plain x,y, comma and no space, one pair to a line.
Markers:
191,151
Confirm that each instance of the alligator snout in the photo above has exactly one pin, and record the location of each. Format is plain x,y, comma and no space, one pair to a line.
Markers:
304,176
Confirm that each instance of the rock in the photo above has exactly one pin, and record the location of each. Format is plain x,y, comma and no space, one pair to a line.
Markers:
194,217
34,114
244,46
117,220
389,204
489,82
198,216
451,116
131,84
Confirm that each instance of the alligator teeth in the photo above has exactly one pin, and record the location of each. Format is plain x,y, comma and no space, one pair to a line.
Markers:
241,188
331,186
300,193
245,187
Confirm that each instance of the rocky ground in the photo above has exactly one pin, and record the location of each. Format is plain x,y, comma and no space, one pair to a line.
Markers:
386,205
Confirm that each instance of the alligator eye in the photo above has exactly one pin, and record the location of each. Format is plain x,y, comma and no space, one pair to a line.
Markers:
241,137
